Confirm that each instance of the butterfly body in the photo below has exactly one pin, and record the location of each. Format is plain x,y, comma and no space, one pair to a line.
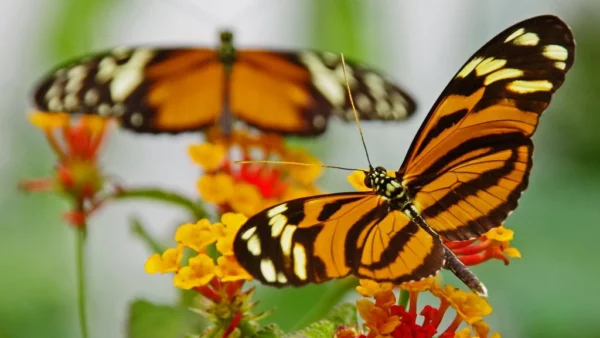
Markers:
179,89
462,176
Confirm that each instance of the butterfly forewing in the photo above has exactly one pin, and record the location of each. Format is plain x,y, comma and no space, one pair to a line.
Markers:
185,89
471,159
312,240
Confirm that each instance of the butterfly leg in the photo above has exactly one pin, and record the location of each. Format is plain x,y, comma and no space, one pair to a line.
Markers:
464,273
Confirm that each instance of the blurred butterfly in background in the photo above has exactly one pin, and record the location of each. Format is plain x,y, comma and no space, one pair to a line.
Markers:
172,90
464,173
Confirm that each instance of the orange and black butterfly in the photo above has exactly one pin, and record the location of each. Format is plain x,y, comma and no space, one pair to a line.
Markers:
463,175
186,89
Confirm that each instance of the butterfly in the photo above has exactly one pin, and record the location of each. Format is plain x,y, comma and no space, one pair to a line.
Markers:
174,90
463,175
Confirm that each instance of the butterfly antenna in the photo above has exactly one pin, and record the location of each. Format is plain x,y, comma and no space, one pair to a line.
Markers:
362,138
296,163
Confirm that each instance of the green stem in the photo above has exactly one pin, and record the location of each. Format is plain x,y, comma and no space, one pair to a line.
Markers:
81,281
325,303
138,229
403,299
163,196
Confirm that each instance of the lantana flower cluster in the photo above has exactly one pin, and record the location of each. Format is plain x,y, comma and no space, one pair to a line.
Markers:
219,280
76,143
251,187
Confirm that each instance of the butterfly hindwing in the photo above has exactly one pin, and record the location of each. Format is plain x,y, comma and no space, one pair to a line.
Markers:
471,159
314,239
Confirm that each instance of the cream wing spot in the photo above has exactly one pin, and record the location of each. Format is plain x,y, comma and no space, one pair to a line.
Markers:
54,104
104,109
514,34
91,97
319,122
129,75
468,68
248,233
300,261
278,225
524,87
71,102
560,65
502,74
555,52
363,103
267,269
527,39
281,278
106,69
253,245
376,85
277,210
324,79
137,119
286,240
489,65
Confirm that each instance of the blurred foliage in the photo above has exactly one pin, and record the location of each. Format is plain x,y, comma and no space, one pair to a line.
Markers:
576,123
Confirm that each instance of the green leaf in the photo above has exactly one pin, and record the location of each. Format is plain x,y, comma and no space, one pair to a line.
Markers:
343,314
322,328
269,331
147,320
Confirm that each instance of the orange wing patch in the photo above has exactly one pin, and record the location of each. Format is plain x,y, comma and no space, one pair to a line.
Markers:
471,159
186,90
271,94
319,238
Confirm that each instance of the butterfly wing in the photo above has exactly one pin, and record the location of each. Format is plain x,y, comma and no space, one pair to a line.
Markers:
471,159
297,92
147,90
318,238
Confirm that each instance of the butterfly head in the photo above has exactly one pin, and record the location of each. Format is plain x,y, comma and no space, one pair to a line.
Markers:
383,184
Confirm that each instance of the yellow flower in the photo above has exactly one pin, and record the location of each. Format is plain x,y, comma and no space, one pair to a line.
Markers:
369,288
197,236
424,284
512,252
229,226
357,179
229,270
209,156
200,271
245,199
167,262
500,234
470,306
49,121
96,125
481,330
217,188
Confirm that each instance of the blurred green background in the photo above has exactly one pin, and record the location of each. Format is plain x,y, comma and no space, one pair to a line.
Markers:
548,293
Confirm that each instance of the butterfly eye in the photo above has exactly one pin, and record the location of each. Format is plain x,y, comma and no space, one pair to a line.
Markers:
368,182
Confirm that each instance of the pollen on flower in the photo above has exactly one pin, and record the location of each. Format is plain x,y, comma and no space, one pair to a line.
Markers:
167,262
200,271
